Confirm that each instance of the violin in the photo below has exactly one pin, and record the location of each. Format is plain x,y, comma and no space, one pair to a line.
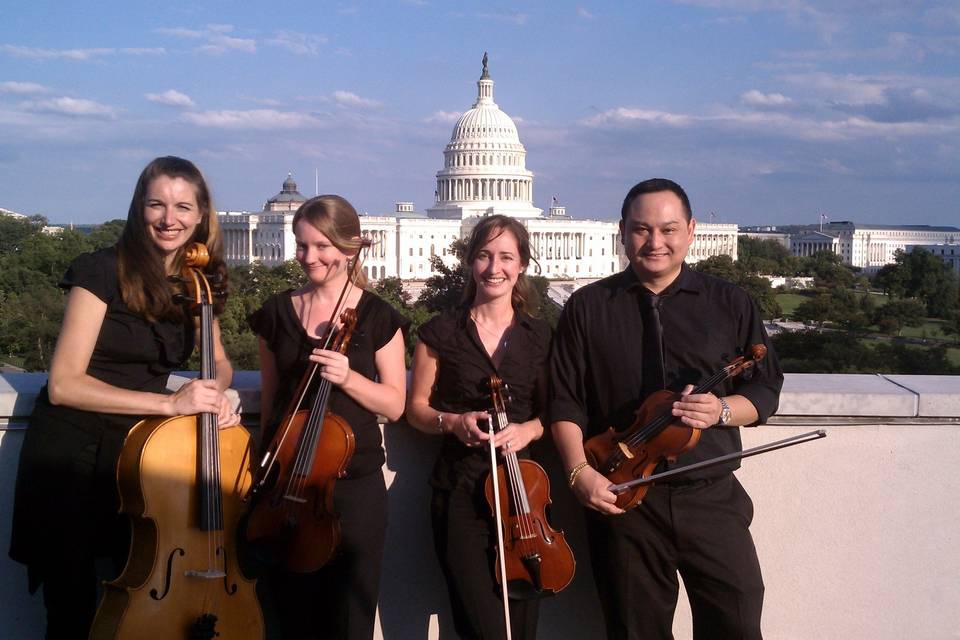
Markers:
655,435
293,487
181,481
536,556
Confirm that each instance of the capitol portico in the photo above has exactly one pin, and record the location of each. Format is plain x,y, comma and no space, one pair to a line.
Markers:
484,173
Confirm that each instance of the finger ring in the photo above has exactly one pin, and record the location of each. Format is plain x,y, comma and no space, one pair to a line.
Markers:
508,444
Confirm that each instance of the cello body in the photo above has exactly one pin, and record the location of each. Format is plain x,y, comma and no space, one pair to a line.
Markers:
167,590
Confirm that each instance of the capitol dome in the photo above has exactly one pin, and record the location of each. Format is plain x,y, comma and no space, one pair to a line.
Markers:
484,169
289,199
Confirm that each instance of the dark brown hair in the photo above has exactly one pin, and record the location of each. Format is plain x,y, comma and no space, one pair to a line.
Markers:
141,270
524,297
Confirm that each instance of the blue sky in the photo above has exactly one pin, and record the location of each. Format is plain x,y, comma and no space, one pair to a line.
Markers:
767,111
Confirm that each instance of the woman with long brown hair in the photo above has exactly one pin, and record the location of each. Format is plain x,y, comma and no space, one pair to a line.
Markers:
340,599
493,332
123,332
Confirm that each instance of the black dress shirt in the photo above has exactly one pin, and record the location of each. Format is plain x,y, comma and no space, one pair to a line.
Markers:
463,375
597,362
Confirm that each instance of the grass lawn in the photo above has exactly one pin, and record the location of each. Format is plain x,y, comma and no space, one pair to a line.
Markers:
789,302
953,356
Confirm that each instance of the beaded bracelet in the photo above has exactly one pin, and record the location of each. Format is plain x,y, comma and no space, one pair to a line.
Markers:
576,472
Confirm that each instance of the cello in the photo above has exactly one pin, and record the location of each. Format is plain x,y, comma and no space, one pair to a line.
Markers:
293,509
536,557
181,481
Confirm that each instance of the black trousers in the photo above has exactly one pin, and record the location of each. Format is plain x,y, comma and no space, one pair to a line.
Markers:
66,514
340,600
464,539
699,530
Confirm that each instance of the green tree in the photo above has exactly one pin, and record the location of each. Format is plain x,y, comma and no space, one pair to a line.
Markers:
815,310
106,234
767,257
445,289
922,275
897,314
758,288
721,266
391,290
547,309
13,231
828,270
30,324
951,326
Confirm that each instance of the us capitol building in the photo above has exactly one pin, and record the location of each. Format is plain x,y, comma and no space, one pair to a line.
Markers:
484,173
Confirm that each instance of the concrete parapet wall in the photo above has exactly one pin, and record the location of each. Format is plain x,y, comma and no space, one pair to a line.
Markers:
856,533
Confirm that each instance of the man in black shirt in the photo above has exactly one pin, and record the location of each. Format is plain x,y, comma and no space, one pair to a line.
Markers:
660,325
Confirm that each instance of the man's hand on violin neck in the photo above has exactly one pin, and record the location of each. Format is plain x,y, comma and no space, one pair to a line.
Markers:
700,410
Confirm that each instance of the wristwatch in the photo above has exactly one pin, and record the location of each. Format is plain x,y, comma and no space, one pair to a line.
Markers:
724,412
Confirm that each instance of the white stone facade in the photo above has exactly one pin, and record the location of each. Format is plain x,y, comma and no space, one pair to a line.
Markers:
870,247
713,239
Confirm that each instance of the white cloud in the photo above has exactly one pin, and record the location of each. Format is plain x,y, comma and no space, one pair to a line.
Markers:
583,12
772,125
22,87
349,99
144,51
620,115
303,44
443,117
71,107
757,99
514,17
181,32
218,44
35,53
49,54
263,119
171,98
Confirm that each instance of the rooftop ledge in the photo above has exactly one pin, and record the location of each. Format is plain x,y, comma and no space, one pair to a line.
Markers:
807,398
857,534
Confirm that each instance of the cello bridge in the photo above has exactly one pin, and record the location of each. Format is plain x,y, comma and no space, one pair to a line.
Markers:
210,574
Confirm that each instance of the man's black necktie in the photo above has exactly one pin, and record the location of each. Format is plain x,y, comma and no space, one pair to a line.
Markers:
652,369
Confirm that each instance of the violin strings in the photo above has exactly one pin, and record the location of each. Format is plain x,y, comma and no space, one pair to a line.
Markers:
517,491
659,423
310,434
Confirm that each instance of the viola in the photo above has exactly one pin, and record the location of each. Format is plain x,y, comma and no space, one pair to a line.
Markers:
655,435
536,556
293,487
181,481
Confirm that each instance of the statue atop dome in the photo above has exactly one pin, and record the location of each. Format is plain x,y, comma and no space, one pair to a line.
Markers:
486,73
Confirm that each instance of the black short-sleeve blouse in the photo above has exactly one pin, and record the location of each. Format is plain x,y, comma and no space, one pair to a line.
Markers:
463,375
279,326
131,352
